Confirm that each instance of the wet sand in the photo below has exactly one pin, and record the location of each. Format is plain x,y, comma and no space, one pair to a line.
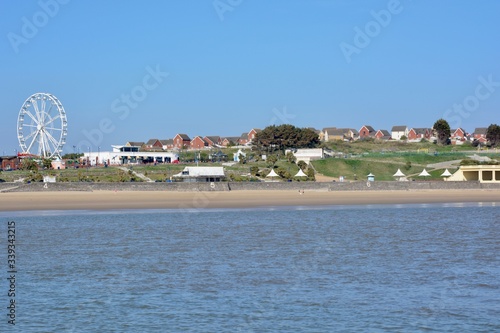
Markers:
110,200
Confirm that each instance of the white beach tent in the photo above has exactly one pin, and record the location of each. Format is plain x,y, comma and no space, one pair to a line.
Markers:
300,174
401,176
424,173
446,173
272,174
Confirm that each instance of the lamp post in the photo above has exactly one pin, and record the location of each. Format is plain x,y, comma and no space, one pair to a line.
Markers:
98,158
88,160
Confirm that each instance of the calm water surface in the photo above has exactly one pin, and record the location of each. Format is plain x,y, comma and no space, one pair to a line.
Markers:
351,269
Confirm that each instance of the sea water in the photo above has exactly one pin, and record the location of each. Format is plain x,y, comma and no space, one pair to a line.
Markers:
405,268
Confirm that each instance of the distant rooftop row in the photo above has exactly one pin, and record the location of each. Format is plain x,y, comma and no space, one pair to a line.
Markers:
414,134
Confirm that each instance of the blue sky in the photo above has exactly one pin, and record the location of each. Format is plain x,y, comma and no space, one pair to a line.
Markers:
234,65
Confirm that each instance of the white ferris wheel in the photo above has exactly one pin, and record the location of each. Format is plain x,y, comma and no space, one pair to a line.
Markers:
42,126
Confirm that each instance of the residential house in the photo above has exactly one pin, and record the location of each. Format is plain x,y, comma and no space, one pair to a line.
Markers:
213,141
136,144
458,136
480,134
243,139
229,141
167,144
458,133
198,143
382,135
336,134
153,144
350,134
398,132
182,141
366,131
324,135
417,134
253,132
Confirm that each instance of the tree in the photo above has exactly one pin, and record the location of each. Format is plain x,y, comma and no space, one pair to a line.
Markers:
291,157
283,173
443,132
302,165
242,159
28,164
47,163
493,134
254,170
310,174
271,160
279,138
72,156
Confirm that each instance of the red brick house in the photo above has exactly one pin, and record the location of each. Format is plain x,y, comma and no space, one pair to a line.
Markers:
458,134
243,139
181,141
419,133
198,143
153,144
366,132
480,133
167,144
252,133
229,140
213,141
382,135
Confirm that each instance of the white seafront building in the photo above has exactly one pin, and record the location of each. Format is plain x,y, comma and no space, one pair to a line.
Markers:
128,155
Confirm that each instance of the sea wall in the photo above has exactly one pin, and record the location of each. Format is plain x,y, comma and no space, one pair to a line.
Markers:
249,186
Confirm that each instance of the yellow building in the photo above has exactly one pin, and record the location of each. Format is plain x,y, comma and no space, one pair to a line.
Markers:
481,173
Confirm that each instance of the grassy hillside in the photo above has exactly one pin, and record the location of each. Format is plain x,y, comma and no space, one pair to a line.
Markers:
363,157
384,158
358,169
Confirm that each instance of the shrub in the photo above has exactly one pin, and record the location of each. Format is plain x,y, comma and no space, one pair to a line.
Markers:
254,170
469,161
283,173
302,165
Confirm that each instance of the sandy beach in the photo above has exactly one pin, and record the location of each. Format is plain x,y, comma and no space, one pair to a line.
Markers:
111,200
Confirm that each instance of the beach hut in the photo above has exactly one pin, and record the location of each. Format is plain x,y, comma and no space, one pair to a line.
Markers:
371,177
300,173
399,175
424,174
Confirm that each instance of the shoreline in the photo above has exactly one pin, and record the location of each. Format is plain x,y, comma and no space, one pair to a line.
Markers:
117,200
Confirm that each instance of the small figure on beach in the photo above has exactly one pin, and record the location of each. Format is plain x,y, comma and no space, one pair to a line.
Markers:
301,192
